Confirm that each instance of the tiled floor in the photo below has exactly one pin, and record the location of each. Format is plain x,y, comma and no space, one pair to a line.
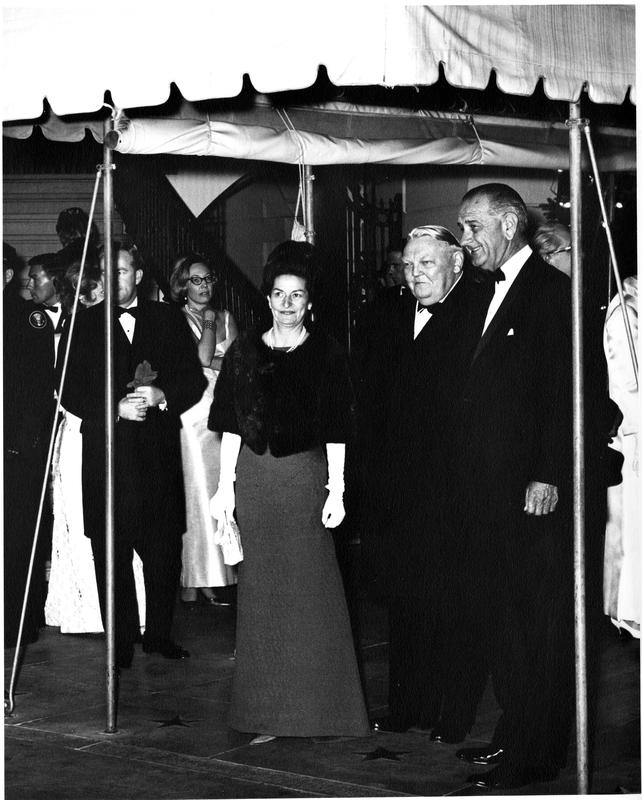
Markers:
173,742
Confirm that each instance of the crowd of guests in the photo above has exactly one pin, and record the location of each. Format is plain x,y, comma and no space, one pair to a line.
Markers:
459,411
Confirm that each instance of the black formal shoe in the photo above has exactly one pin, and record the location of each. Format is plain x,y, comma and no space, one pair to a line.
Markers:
485,756
167,649
500,778
445,735
389,724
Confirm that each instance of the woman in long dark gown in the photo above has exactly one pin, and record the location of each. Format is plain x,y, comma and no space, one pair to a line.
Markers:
284,404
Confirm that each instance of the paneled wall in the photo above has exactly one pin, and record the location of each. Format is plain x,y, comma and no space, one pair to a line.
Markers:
31,204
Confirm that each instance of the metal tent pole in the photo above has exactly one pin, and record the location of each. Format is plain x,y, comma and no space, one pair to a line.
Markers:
575,174
110,626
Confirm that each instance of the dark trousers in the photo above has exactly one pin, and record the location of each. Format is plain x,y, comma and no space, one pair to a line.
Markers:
436,674
161,557
522,588
23,474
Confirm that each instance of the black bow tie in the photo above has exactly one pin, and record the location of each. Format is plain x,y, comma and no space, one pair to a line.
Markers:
485,275
435,308
132,311
43,307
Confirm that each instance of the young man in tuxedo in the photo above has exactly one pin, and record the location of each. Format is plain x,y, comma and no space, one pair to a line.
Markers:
29,329
157,376
512,489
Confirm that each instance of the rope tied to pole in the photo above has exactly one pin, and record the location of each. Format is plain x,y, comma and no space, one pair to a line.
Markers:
609,237
302,197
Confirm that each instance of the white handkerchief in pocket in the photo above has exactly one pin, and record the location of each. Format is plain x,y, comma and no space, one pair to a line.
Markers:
511,332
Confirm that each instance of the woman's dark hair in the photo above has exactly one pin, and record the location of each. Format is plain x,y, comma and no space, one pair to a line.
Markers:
291,258
180,274
72,224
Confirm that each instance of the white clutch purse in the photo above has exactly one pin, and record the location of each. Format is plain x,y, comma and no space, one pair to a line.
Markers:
228,537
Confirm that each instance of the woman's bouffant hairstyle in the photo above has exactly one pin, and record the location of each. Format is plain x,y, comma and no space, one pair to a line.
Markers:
72,224
180,274
550,237
91,280
291,258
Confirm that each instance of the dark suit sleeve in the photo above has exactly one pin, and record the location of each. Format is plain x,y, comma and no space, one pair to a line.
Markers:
79,396
337,416
181,378
552,457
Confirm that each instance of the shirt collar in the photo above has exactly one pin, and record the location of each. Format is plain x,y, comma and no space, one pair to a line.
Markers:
512,267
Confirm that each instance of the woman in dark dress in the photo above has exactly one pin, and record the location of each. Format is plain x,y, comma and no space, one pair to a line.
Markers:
284,404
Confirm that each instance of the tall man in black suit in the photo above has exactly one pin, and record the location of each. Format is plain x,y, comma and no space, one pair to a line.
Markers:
157,377
418,345
511,459
31,331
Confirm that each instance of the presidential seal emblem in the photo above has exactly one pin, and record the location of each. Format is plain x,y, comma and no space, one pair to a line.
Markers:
37,319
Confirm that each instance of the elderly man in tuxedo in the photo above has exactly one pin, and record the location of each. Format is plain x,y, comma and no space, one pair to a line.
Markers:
418,345
157,377
511,462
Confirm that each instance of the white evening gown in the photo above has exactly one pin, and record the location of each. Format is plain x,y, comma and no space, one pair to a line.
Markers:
72,598
622,548
200,449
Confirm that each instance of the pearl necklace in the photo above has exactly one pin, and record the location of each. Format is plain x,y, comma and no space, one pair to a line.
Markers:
272,343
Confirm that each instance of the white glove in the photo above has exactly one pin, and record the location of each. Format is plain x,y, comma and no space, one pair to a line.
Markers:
224,501
333,510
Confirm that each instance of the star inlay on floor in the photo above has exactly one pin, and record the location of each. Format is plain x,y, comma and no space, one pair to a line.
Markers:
174,721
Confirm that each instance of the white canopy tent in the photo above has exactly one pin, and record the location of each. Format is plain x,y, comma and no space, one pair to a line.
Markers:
206,50
343,133
137,51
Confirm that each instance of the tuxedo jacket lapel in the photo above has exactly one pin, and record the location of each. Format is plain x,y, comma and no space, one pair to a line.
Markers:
408,322
513,293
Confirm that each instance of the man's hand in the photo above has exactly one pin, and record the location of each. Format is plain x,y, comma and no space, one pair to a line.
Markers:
152,395
132,407
541,498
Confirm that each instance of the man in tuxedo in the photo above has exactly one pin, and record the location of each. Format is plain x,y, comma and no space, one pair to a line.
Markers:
31,330
511,463
418,344
157,376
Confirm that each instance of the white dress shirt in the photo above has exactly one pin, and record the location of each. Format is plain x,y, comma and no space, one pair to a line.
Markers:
55,316
511,270
127,322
